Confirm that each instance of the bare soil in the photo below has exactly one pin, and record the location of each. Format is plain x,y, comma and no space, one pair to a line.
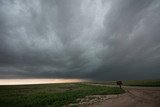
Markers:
134,97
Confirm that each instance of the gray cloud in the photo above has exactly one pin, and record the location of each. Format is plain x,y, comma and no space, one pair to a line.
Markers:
96,39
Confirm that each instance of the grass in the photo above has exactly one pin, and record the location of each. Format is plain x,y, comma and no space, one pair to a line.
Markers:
55,95
142,83
145,83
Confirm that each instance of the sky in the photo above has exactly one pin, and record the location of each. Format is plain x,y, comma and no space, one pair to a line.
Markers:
85,39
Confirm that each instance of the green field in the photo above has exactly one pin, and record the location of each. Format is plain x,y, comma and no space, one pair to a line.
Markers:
145,83
50,95
142,83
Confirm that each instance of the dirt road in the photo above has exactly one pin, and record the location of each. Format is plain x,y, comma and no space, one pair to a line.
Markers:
134,97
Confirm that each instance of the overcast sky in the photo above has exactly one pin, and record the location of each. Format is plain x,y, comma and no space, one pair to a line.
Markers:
93,39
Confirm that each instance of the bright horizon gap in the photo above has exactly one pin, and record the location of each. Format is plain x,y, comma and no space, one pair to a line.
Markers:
38,81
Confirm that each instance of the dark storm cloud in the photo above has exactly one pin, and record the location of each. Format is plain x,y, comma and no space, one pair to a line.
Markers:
97,39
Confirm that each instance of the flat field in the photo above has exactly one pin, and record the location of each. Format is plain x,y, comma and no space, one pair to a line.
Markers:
50,95
141,83
145,83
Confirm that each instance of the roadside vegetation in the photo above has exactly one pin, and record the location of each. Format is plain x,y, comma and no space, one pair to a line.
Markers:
50,95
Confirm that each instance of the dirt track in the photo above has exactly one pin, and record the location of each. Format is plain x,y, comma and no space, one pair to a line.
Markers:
134,97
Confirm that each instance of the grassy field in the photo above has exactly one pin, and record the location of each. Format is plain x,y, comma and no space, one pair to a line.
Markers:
146,83
142,83
50,95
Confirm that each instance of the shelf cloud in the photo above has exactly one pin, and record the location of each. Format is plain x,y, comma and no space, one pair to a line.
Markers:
91,39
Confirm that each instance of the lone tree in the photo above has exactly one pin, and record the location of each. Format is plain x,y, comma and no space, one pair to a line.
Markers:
119,83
